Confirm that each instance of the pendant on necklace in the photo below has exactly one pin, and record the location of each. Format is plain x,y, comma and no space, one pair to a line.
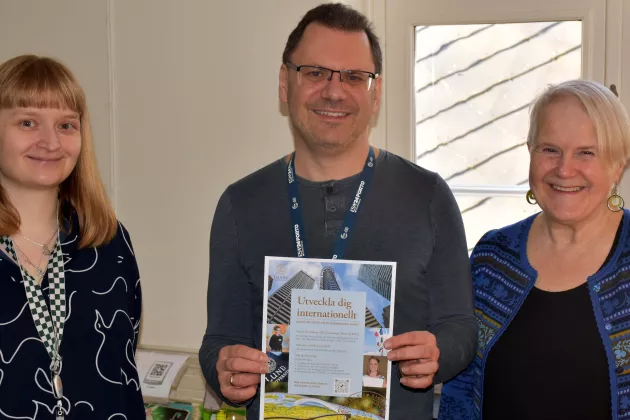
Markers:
47,251
57,386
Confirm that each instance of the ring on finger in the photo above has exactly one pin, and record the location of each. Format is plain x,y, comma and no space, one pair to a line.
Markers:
401,374
232,379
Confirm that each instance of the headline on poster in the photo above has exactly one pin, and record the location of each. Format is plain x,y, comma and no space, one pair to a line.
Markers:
343,306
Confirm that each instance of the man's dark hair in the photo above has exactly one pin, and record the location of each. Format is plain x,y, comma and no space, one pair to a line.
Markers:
336,16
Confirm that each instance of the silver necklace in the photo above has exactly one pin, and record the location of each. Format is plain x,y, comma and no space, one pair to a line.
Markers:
40,271
47,251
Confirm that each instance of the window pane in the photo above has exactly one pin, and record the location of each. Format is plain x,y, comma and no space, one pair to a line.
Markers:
473,86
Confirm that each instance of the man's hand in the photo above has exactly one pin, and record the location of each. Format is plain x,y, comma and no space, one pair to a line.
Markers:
417,355
239,368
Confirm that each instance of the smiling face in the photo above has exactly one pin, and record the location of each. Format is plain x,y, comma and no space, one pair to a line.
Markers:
39,147
568,175
373,365
331,115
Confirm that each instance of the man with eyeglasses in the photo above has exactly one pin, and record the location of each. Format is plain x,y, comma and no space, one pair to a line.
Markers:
330,81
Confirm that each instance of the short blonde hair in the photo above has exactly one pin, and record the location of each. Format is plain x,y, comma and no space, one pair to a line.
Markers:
42,82
607,113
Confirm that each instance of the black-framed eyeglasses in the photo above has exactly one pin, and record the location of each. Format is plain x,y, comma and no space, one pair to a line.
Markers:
317,74
333,416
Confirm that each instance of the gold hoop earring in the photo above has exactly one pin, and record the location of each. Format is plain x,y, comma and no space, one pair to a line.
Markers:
530,197
615,201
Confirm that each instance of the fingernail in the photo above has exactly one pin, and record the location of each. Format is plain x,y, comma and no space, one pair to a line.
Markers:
391,355
386,345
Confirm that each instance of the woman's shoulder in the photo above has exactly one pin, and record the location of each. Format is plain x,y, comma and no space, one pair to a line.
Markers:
120,242
514,230
624,233
508,238
117,253
73,231
621,244
122,234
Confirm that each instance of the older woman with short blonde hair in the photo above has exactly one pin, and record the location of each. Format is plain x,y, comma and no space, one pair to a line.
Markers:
552,292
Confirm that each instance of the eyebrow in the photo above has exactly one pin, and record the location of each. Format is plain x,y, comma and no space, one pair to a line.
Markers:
544,143
328,68
70,114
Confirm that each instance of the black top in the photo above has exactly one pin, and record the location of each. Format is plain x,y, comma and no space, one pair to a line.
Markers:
550,363
103,304
407,215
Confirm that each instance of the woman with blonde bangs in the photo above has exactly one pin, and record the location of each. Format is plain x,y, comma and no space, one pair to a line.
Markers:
552,292
70,297
372,376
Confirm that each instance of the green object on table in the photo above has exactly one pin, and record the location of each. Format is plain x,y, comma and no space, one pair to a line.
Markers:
171,411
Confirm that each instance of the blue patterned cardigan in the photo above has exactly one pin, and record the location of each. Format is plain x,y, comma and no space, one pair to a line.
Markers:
503,277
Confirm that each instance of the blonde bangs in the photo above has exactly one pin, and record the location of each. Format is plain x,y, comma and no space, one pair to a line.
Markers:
31,81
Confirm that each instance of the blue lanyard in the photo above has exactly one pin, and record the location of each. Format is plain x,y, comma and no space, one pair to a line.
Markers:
351,214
